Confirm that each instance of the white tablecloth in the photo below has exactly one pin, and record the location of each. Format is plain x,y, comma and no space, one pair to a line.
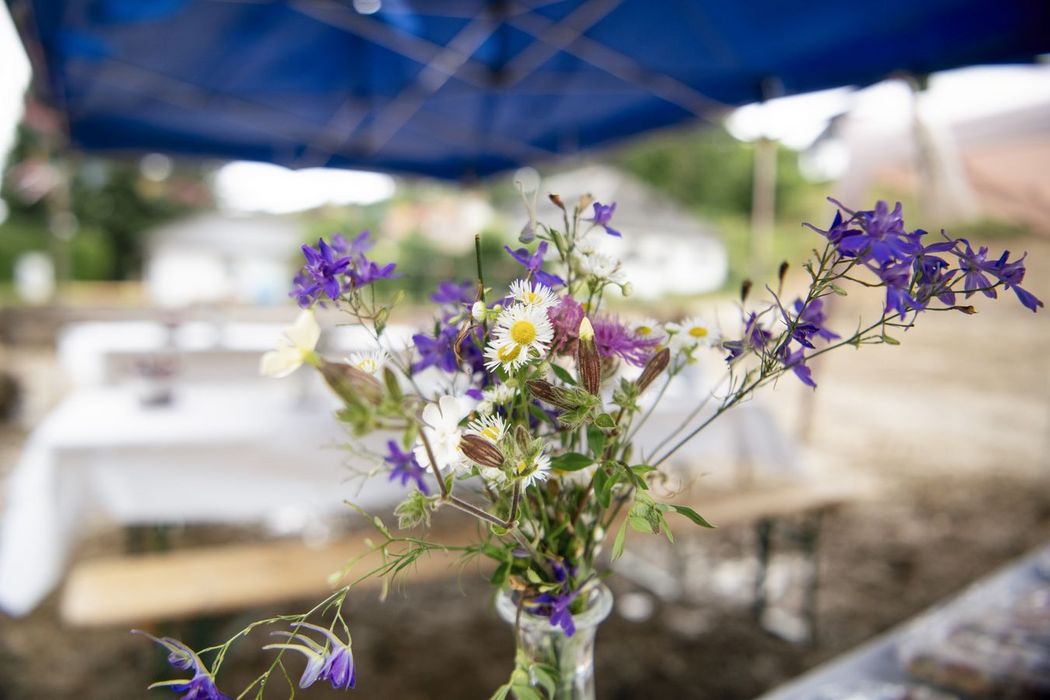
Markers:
108,352
216,455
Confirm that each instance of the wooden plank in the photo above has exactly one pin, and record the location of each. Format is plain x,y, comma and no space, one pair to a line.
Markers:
207,580
188,583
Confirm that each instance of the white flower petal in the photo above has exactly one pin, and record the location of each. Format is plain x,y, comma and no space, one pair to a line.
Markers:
305,332
280,362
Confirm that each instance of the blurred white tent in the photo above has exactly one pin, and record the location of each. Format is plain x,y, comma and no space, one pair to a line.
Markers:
664,249
216,257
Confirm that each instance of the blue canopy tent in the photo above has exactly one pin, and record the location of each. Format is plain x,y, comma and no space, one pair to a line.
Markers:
467,88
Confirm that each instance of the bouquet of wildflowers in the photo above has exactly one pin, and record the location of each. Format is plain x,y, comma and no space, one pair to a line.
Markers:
519,407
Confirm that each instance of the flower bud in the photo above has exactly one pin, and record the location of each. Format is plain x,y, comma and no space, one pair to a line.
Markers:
477,311
653,368
556,200
350,383
588,363
627,289
745,289
528,233
548,393
584,202
481,451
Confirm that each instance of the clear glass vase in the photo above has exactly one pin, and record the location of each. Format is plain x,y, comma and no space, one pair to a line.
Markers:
572,658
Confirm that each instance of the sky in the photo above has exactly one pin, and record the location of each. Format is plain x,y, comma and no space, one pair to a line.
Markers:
796,121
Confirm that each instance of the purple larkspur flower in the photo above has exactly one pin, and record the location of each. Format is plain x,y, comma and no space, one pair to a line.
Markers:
555,604
454,293
332,661
436,351
1011,274
321,273
613,339
795,360
603,215
876,236
974,267
897,280
809,322
404,466
933,279
755,338
364,272
440,350
533,262
201,686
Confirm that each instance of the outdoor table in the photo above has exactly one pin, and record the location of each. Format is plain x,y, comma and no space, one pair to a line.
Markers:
216,454
877,662
237,453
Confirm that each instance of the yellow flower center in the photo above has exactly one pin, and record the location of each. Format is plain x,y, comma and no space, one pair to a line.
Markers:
491,433
367,365
532,297
643,330
698,332
521,468
509,352
523,332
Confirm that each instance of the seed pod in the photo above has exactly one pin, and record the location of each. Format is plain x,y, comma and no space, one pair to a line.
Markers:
782,271
653,368
745,289
588,363
556,200
351,384
481,451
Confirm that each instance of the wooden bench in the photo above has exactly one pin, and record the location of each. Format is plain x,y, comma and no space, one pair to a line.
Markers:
129,590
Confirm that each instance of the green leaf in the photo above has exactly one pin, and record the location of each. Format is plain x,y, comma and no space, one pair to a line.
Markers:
525,692
605,421
563,374
692,515
604,480
501,574
595,440
640,524
571,462
501,693
540,415
544,678
621,536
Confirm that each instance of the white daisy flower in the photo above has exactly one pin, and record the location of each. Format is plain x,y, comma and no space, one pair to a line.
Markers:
604,267
533,294
535,470
690,333
299,341
441,426
522,333
496,478
496,395
370,362
648,328
492,428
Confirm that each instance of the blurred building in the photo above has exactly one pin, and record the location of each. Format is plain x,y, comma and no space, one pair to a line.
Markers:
215,257
665,249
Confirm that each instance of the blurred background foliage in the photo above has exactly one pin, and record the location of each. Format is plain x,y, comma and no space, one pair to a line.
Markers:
704,170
